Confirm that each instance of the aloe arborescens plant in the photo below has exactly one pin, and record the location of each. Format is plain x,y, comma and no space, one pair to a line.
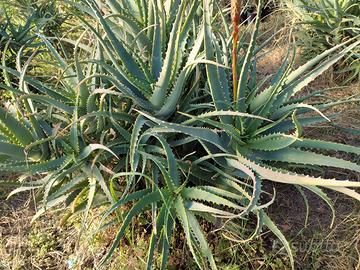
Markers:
150,121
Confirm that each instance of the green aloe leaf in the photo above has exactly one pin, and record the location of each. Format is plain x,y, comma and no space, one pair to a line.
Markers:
135,210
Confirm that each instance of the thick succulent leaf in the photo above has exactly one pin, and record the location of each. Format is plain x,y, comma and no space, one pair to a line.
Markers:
12,150
74,137
297,106
58,94
93,147
128,198
52,179
197,233
206,196
138,126
200,133
347,191
256,192
34,167
130,78
202,208
16,131
219,98
268,94
161,86
293,76
159,224
119,116
184,220
165,241
132,26
125,57
224,113
171,163
325,198
229,128
51,204
271,142
291,178
90,200
48,100
246,62
271,225
222,192
135,210
287,125
125,85
296,86
172,100
319,144
306,202
84,91
23,188
156,60
297,156
94,172
183,37
69,72
68,187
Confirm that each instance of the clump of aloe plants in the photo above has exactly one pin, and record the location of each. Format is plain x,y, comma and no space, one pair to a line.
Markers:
324,24
159,111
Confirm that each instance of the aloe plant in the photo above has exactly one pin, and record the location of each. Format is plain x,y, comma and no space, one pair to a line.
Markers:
20,21
324,24
76,126
146,116
61,133
150,49
257,134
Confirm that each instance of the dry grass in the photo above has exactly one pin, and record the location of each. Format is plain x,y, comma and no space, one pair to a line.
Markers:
49,244
42,245
13,227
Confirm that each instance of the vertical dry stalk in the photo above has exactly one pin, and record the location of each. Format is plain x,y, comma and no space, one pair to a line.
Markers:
235,17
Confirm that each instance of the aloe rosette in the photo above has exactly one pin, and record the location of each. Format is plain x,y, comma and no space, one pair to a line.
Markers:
146,116
258,133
